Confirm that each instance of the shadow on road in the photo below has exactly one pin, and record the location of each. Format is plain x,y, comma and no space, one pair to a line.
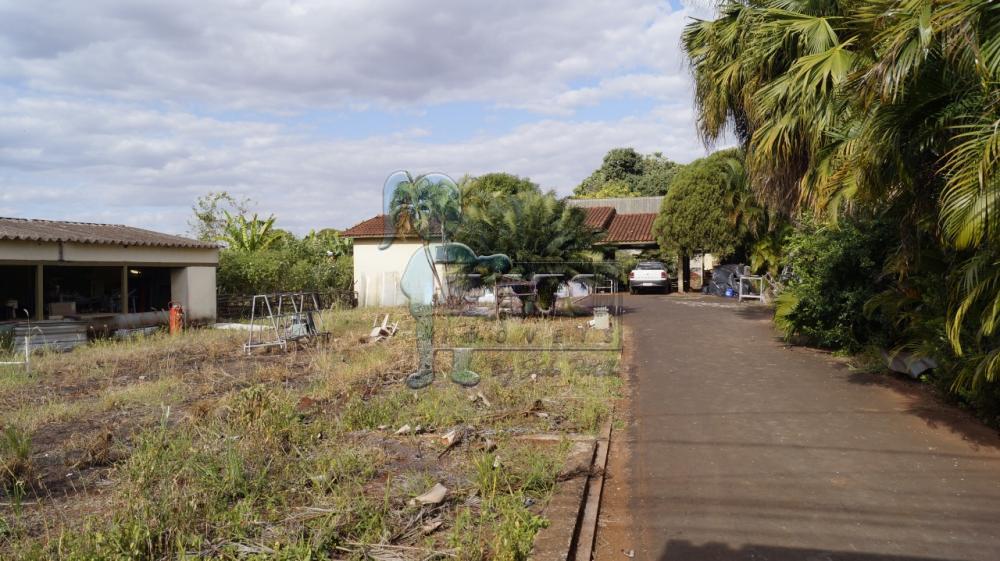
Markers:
682,550
919,400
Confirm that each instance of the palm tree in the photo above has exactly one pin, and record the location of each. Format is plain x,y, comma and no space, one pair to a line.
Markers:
884,105
427,205
251,234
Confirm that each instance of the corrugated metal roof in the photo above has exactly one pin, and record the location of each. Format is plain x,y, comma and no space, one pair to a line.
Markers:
24,229
622,205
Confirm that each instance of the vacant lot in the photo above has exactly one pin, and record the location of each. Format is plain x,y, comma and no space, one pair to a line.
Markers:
182,447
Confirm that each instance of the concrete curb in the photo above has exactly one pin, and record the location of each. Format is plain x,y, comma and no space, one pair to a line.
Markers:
591,508
575,505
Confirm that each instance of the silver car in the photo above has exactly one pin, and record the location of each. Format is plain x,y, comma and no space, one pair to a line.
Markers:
649,275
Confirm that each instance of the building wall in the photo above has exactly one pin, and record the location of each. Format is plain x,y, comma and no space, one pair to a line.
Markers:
377,271
71,253
194,288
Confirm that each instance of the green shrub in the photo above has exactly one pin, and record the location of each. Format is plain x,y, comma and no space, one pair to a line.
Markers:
837,270
282,270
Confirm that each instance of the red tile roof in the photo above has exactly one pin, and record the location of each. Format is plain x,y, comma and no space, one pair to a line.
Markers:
374,227
631,228
371,228
621,228
598,216
23,229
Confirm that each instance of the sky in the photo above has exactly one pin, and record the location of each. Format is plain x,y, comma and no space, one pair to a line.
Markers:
126,112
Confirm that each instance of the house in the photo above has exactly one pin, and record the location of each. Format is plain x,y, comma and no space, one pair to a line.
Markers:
119,275
377,272
626,221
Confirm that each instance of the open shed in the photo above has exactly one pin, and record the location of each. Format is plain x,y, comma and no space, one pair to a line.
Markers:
83,271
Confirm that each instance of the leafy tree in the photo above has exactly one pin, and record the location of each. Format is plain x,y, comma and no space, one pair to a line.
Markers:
248,235
209,214
612,189
644,176
697,213
657,174
477,191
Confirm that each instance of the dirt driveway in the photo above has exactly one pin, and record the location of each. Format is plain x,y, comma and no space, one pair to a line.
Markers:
742,448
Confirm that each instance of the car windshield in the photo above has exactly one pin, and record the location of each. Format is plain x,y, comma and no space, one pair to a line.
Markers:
650,266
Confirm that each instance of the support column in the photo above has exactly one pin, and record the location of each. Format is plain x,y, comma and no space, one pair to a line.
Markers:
39,292
124,289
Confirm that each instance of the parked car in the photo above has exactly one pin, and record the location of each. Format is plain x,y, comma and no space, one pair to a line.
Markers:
649,275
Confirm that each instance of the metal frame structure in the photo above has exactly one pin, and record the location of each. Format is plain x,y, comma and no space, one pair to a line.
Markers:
281,324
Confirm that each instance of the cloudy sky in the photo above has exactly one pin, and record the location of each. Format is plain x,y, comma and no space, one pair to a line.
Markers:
125,111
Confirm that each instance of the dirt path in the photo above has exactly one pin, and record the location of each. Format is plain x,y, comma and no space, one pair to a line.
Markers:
741,448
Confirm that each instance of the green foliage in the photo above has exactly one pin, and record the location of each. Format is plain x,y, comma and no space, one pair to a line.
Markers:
297,266
613,188
837,271
530,228
698,212
478,191
249,234
427,206
626,173
889,105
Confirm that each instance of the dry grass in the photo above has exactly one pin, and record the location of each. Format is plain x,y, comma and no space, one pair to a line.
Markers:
167,447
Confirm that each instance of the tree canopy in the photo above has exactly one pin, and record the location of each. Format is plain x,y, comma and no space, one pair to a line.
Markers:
697,214
477,191
627,173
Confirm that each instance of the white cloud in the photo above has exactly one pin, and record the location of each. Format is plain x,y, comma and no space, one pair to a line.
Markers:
286,54
111,110
107,161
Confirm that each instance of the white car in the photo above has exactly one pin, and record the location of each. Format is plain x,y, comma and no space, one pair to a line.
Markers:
649,275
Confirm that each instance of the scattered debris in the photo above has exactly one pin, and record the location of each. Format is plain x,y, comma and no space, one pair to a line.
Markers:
429,527
496,462
384,331
405,429
630,553
432,496
479,397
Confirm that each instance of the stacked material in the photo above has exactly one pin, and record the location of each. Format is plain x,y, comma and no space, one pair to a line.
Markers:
55,334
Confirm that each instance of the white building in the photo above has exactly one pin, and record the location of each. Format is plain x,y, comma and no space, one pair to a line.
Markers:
75,270
377,272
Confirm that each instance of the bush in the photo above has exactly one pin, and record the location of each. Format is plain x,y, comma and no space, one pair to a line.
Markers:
837,270
282,270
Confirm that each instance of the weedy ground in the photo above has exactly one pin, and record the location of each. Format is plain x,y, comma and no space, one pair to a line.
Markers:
182,447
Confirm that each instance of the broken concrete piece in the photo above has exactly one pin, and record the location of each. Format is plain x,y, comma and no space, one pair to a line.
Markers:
432,496
450,437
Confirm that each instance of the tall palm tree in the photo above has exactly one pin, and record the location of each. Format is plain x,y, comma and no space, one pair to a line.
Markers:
884,104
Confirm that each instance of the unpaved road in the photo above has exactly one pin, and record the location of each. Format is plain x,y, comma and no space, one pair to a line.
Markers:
742,448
